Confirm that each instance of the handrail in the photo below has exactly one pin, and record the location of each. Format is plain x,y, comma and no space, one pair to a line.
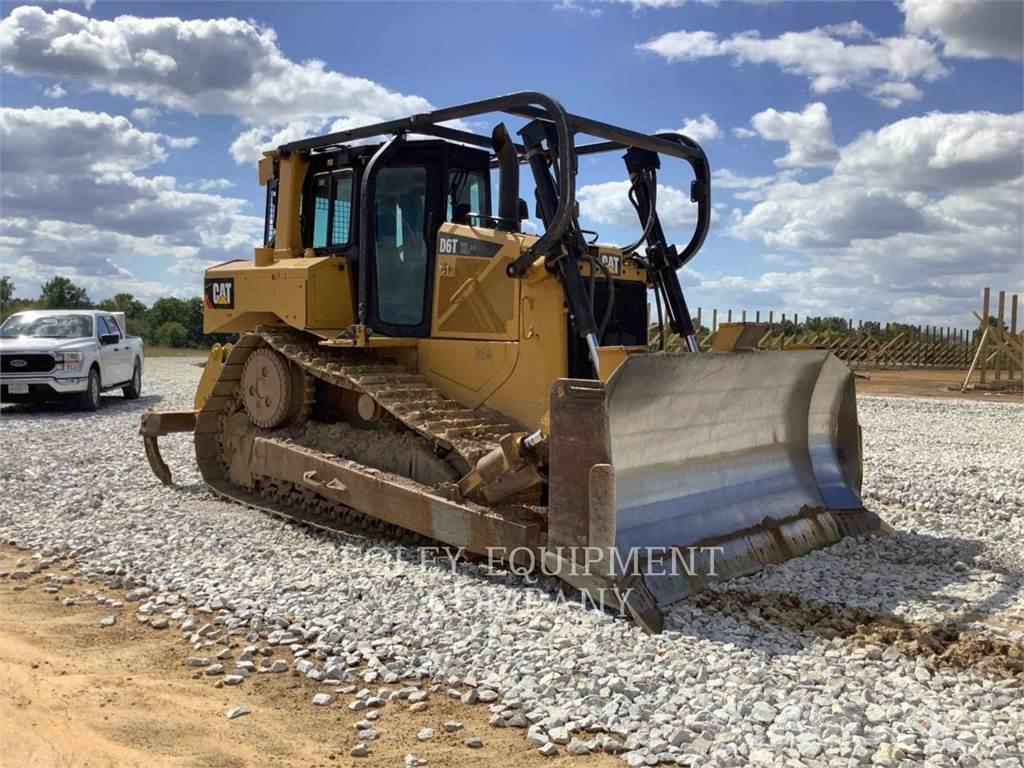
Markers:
540,106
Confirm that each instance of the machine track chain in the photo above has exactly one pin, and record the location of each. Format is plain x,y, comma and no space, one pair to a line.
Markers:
408,397
347,368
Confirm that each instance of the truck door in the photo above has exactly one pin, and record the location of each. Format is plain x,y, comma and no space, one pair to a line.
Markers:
115,356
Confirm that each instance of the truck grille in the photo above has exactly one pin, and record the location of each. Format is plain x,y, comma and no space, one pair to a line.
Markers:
15,363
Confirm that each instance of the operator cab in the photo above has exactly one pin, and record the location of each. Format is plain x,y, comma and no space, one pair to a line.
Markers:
421,185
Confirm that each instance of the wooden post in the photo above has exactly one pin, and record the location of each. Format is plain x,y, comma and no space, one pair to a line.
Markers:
1000,324
1013,332
714,321
744,318
698,318
982,345
728,316
771,316
757,315
977,355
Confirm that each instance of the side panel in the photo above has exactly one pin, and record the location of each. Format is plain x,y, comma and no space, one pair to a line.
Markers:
309,293
543,350
467,371
473,297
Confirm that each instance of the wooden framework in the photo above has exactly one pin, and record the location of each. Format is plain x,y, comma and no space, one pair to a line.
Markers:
994,356
1000,347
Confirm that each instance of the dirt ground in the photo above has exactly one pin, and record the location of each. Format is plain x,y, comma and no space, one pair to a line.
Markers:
74,694
927,382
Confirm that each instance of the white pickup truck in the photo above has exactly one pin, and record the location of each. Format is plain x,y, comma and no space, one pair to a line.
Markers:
50,354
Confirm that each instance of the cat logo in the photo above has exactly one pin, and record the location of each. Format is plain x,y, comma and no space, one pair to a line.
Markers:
219,293
612,262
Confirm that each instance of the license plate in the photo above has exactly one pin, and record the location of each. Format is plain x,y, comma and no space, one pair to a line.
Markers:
18,389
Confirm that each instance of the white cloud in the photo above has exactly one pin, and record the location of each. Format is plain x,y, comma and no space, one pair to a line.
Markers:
893,94
588,8
923,209
968,28
808,134
749,187
249,146
89,210
851,30
145,115
209,66
55,91
607,204
822,55
209,185
726,179
181,142
938,152
73,141
744,133
205,66
700,129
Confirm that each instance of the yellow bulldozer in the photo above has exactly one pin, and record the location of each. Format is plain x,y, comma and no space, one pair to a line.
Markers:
409,357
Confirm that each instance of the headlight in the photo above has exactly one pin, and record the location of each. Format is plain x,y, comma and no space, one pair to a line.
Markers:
72,360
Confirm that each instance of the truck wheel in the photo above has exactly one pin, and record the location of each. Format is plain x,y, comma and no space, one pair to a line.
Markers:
134,388
90,399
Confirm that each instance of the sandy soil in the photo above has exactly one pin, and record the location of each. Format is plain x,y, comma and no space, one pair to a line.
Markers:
74,694
927,382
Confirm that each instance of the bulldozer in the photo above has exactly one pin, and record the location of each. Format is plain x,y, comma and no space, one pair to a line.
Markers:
408,356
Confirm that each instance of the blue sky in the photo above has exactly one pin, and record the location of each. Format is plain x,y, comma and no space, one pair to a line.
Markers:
868,156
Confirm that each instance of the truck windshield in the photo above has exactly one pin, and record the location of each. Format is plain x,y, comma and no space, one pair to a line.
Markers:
47,326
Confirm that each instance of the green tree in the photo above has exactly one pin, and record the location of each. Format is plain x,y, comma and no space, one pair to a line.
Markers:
895,329
124,302
188,313
61,293
172,334
6,291
871,326
822,324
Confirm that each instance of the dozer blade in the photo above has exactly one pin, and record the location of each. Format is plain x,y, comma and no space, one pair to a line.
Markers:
704,467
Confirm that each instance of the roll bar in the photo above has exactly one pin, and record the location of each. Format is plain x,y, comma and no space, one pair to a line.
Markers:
539,106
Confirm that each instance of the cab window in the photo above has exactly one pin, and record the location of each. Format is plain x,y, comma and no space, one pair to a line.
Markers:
332,208
341,208
466,195
270,221
401,249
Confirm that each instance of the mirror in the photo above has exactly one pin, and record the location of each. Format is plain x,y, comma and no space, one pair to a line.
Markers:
109,338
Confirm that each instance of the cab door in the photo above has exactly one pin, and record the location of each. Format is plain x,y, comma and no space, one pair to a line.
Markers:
408,211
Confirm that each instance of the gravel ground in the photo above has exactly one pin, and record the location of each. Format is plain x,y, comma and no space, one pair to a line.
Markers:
773,669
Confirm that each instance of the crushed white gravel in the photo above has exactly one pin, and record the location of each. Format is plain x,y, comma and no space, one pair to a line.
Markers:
726,685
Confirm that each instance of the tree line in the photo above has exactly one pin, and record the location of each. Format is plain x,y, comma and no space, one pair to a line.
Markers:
168,322
173,322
